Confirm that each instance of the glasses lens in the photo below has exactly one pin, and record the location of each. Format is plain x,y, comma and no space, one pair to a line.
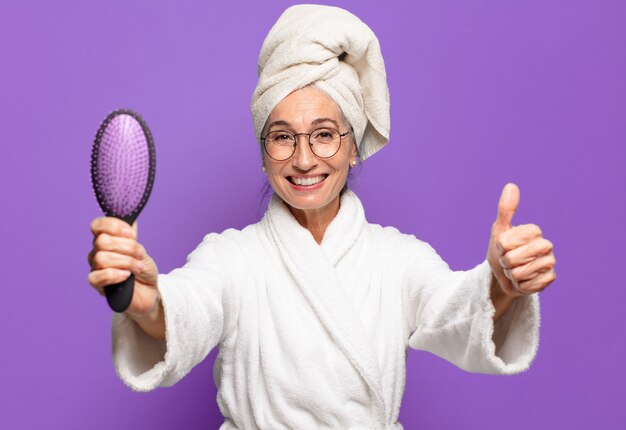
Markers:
279,144
325,142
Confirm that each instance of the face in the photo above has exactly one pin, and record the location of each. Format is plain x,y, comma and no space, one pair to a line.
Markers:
297,113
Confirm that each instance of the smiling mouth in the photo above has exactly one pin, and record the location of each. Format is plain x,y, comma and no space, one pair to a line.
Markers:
307,181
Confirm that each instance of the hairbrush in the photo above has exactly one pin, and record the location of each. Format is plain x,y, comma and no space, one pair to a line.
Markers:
123,164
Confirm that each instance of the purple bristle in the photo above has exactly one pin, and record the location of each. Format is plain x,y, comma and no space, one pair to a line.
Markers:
122,166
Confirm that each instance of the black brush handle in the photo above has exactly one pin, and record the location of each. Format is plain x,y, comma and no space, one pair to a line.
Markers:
120,295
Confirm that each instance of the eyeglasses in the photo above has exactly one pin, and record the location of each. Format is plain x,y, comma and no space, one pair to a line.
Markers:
280,145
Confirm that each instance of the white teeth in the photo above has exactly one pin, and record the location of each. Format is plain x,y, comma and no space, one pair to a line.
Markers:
307,181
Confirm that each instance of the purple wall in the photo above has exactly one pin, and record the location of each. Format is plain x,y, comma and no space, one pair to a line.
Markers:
482,92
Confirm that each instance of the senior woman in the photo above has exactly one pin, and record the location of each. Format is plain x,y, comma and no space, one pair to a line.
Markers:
313,308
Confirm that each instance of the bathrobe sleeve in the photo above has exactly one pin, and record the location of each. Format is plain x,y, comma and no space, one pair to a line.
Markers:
450,314
198,301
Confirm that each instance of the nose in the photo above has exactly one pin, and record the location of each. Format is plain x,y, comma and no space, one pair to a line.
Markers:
303,158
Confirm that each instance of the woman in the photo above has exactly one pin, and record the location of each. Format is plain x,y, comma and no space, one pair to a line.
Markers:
313,308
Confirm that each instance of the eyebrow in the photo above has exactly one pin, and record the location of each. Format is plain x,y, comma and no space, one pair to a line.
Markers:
315,122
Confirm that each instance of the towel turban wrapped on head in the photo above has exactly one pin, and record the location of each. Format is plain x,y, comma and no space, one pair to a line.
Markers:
335,51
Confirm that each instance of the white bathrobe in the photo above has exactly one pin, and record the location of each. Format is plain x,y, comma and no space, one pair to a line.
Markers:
315,336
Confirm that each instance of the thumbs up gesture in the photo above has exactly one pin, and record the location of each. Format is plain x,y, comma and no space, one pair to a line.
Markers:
521,260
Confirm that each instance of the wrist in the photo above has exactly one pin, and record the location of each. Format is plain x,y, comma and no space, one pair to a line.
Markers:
500,299
498,293
150,315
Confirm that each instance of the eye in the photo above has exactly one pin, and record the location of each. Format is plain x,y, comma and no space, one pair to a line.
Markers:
281,137
324,135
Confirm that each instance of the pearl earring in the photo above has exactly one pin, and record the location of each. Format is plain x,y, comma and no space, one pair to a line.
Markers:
263,168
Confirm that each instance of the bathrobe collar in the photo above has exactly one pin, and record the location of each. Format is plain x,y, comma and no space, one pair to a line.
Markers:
312,266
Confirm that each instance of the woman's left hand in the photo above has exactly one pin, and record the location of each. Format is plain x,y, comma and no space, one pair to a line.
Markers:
521,259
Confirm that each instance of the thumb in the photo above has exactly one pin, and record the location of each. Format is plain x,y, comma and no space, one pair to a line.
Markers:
135,227
509,200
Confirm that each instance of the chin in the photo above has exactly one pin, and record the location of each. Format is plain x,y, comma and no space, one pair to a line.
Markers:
308,202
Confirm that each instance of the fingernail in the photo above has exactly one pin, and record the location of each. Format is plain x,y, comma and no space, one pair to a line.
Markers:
127,232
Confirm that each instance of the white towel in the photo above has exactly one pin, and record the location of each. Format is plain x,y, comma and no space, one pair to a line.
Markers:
334,50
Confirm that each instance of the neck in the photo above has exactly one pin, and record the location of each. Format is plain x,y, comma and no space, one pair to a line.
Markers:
316,220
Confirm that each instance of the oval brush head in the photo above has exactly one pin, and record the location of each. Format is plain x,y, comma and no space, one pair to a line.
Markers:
123,164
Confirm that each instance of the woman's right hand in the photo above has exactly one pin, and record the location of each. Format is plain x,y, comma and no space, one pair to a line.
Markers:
115,254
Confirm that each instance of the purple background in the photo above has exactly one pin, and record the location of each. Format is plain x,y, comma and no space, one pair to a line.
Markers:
482,92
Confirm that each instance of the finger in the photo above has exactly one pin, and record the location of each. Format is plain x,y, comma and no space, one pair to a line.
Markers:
526,253
532,269
538,283
517,236
514,283
99,279
507,205
105,259
112,226
121,245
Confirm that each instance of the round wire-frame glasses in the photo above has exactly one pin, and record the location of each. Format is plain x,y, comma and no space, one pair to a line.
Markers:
286,141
